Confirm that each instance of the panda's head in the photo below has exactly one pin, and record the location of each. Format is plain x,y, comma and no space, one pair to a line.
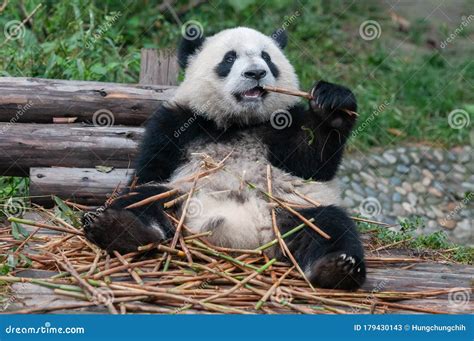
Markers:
224,75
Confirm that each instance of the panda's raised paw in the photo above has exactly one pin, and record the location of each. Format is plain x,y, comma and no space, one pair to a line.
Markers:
338,270
332,102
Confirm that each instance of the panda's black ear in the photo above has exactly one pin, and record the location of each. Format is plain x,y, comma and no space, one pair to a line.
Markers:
280,37
187,47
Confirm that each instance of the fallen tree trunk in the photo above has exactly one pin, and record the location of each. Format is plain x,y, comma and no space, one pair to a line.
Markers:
26,145
86,186
39,100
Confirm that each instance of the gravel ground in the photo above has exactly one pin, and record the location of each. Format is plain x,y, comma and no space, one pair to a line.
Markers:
434,184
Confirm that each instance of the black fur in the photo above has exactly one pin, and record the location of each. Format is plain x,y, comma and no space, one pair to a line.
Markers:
273,68
328,262
123,230
223,68
186,48
280,37
312,146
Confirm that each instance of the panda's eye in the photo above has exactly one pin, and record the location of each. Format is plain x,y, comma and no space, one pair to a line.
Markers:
266,56
230,56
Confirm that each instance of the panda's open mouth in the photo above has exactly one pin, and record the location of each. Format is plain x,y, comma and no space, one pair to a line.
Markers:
253,94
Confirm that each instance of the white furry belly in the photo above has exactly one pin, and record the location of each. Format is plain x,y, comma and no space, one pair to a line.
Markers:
237,214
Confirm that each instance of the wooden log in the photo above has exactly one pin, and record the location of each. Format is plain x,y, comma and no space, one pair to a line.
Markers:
40,100
87,186
158,67
26,145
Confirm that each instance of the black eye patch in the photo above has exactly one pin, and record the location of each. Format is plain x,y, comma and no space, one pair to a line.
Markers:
273,68
223,68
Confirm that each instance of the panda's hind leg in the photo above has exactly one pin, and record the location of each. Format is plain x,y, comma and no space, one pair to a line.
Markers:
122,229
337,263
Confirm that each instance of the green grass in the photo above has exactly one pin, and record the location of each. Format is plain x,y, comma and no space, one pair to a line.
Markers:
406,238
419,85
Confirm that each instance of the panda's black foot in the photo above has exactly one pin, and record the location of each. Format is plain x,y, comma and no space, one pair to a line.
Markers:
338,270
119,230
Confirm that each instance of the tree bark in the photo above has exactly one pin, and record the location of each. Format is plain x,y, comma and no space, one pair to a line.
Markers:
26,145
25,100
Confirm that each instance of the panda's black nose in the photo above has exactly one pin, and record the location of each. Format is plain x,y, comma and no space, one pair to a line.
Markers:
255,74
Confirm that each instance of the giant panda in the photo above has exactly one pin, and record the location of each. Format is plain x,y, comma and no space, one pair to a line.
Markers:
221,116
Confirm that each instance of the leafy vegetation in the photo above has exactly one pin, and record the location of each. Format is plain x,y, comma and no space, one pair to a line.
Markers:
101,40
406,237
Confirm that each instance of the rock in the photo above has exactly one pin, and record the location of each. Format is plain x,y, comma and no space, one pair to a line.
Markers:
401,190
384,172
407,187
407,207
438,155
445,168
447,223
437,212
431,166
418,186
405,159
436,192
415,157
402,169
464,157
398,210
391,159
412,198
426,181
396,197
430,214
468,186
382,187
357,188
459,168
345,179
395,181
427,173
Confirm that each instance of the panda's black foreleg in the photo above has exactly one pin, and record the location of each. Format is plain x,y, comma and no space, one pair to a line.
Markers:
122,229
337,263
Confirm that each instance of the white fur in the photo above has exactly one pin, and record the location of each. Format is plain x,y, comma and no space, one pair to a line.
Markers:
207,94
247,223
